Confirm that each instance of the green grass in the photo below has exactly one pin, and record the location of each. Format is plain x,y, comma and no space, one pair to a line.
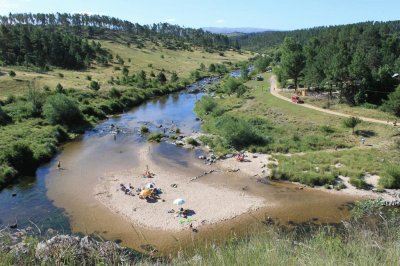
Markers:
318,168
291,128
369,111
147,59
155,137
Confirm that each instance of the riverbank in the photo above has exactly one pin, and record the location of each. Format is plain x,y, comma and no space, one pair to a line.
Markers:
207,204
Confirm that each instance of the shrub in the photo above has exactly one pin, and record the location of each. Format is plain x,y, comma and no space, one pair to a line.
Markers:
358,183
178,130
59,88
114,93
205,106
20,157
6,173
391,177
4,118
88,77
192,141
12,73
94,85
144,129
155,137
238,132
60,109
61,75
351,122
392,104
327,129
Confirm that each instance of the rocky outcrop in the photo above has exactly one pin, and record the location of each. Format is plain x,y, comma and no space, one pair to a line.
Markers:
62,248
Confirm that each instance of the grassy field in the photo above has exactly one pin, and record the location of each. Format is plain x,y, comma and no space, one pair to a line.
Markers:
150,58
316,141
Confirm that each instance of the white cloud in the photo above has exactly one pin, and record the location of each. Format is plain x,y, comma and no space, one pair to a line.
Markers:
220,21
170,20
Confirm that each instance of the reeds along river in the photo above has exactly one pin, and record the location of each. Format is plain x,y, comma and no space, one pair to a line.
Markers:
63,199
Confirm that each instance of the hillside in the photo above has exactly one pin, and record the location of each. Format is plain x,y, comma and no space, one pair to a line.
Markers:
43,104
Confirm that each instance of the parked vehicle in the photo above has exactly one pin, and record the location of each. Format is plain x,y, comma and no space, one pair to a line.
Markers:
296,99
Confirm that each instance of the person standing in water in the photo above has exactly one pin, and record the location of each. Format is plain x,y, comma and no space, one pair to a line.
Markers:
59,165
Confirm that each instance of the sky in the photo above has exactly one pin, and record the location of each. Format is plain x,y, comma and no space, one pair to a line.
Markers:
278,14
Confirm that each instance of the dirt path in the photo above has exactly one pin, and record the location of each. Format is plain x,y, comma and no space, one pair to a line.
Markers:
275,92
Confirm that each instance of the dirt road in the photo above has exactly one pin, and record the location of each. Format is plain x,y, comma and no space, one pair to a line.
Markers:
275,92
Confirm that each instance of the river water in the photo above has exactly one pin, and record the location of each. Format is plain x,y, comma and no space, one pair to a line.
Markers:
63,199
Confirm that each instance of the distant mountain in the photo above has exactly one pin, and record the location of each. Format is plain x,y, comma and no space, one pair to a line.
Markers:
234,30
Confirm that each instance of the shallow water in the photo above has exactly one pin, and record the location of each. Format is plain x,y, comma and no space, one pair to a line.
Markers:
63,199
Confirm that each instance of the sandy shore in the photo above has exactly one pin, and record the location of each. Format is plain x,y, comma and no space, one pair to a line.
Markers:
209,204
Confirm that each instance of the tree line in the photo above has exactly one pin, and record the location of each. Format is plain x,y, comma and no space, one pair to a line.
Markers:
97,25
359,60
28,45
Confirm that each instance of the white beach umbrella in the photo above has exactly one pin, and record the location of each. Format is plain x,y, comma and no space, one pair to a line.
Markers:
150,185
179,201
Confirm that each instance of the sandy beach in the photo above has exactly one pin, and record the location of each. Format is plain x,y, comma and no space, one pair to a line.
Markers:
209,204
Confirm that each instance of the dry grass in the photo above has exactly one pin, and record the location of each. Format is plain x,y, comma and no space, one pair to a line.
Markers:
151,58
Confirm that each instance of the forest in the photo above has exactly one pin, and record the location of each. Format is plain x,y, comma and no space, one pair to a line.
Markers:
358,60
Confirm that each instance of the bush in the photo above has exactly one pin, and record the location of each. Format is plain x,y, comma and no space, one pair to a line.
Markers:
192,141
19,156
4,118
144,129
60,109
114,93
94,85
238,132
351,122
178,130
392,104
59,88
358,183
155,137
6,173
391,177
205,106
12,73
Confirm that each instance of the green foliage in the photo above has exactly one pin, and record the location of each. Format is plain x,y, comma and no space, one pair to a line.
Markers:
237,132
174,77
393,102
391,177
4,118
351,122
358,183
144,130
94,85
161,78
211,68
20,157
11,73
60,109
155,137
59,88
192,141
262,62
125,71
233,85
205,106
292,60
114,93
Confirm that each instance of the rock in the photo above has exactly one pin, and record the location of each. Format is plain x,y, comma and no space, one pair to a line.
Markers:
174,185
14,226
229,155
50,231
14,194
202,157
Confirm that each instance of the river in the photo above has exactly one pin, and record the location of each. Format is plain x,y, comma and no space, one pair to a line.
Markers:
63,199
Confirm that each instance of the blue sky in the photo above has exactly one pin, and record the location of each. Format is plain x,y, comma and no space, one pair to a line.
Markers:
278,14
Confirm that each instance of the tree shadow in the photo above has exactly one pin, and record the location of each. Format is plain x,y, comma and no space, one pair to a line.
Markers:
365,133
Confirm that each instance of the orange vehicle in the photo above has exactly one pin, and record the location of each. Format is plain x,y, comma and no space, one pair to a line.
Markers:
296,99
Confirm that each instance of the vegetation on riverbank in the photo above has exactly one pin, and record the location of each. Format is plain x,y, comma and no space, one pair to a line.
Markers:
319,146
40,109
370,237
